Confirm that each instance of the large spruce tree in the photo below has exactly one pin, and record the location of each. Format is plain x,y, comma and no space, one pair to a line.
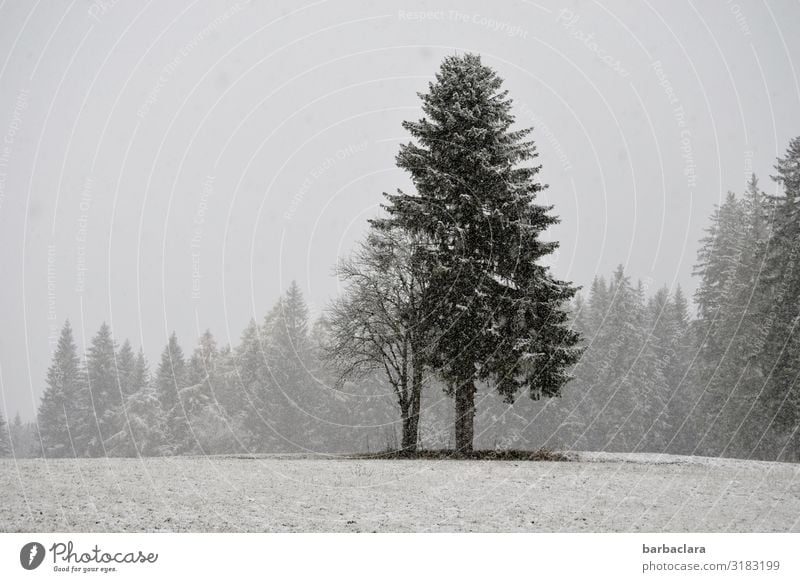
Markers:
499,315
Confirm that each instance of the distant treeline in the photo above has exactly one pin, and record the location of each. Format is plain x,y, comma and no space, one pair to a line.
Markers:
652,377
267,394
723,383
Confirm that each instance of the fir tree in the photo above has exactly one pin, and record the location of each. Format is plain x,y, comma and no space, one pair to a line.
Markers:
718,259
198,397
22,438
140,377
599,303
680,377
142,421
134,380
250,379
201,376
294,320
286,330
500,316
290,394
230,402
719,267
681,324
105,388
146,431
733,304
202,364
780,357
744,320
584,402
621,349
663,325
5,437
653,334
215,410
229,398
60,417
169,382
126,364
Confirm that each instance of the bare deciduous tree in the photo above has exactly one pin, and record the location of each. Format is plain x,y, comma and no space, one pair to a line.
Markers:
376,323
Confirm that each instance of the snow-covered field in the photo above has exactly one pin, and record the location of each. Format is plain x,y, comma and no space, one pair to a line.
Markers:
598,492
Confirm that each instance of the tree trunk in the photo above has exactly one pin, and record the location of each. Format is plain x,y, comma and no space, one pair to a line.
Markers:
409,440
413,413
411,427
465,416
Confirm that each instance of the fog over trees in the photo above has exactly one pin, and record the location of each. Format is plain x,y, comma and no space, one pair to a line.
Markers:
450,331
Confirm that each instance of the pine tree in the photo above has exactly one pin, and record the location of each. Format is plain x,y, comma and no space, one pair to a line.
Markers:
680,378
230,402
216,411
290,388
581,404
5,437
780,357
287,332
681,341
719,266
60,417
599,303
203,362
140,377
217,408
718,259
201,375
133,380
621,345
105,390
654,329
17,438
145,433
663,325
141,418
125,366
199,401
580,314
24,438
170,381
500,316
294,320
251,380
744,323
734,304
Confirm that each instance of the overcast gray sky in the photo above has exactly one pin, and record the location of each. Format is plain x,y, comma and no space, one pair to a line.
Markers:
174,165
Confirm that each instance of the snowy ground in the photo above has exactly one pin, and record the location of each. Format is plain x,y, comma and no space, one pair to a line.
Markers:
599,492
